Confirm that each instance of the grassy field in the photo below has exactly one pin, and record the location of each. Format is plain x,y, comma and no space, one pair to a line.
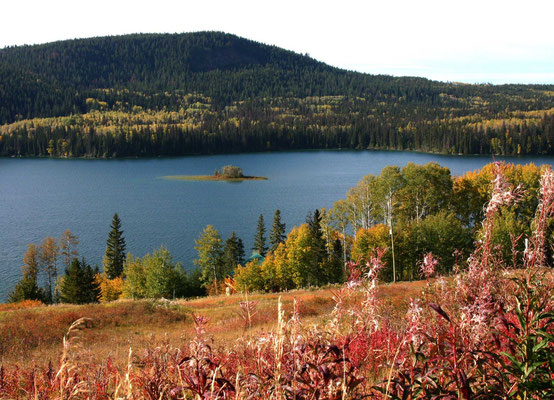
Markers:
33,334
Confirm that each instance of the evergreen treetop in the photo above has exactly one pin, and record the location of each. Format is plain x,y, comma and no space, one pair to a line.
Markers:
78,285
259,239
233,252
278,233
115,250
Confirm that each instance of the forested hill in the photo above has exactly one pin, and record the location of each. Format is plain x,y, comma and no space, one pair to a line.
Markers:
209,92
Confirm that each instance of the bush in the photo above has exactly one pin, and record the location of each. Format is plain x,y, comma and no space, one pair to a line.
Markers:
232,172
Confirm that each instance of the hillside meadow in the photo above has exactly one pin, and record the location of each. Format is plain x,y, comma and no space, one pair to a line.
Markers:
32,333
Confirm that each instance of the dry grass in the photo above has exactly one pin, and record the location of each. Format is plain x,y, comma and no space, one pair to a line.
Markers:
32,336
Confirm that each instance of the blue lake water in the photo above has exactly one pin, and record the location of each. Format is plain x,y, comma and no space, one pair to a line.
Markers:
43,197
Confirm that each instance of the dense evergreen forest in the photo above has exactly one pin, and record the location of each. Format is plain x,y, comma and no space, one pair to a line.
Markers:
210,92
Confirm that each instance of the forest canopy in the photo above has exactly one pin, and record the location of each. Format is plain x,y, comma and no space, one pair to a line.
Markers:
210,92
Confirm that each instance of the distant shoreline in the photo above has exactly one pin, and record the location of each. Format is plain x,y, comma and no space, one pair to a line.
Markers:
213,178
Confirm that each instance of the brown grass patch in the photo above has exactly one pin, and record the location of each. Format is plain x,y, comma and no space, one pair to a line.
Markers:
33,335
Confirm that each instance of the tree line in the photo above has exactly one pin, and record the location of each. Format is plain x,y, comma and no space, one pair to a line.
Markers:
282,124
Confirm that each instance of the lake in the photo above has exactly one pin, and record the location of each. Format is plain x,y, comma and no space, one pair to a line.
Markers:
43,197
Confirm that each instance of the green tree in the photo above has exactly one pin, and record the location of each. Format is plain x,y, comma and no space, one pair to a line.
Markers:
233,253
210,256
78,285
163,277
134,286
259,239
442,234
318,247
278,233
26,289
249,278
114,256
156,275
427,190
193,284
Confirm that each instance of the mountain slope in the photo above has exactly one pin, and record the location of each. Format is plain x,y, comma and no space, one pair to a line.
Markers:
232,94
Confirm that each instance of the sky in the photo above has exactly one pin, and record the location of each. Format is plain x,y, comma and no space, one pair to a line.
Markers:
485,41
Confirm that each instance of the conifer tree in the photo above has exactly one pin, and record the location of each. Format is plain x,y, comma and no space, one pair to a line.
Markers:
233,252
259,239
319,246
277,234
240,251
79,285
115,250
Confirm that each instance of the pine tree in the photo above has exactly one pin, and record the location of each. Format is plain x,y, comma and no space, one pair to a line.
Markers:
277,234
314,224
233,252
318,247
334,269
240,251
259,239
79,285
115,250
26,289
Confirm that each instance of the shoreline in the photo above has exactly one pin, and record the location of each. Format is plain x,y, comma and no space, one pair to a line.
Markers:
187,155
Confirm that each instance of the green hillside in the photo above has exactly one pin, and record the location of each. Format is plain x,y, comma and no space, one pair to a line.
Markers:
210,92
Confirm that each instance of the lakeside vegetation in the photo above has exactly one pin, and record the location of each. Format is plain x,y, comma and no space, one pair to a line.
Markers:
481,329
210,92
406,212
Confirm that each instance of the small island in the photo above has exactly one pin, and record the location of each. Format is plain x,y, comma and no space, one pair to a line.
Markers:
228,173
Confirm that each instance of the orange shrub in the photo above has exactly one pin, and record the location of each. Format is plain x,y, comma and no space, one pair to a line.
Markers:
21,305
